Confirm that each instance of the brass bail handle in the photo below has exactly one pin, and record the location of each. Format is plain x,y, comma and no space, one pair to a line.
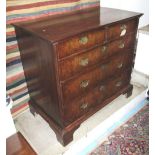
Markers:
83,40
123,29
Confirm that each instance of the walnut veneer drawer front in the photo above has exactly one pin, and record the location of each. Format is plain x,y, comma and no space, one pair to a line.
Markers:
75,64
94,97
82,41
121,29
86,81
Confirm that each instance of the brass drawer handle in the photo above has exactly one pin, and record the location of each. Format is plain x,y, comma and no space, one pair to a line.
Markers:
84,83
123,30
121,45
118,84
120,65
102,88
83,40
123,27
84,106
103,49
84,62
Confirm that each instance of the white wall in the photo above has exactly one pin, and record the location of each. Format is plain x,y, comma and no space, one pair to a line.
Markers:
10,127
130,5
142,60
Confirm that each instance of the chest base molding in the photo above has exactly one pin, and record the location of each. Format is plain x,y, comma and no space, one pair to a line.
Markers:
65,135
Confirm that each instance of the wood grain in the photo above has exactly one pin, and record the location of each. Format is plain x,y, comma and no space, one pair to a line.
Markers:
68,58
17,145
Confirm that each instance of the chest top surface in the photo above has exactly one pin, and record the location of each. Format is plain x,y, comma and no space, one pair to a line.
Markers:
59,27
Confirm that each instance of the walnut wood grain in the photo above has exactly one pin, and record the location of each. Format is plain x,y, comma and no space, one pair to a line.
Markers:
54,28
67,57
70,46
105,89
114,32
71,88
71,65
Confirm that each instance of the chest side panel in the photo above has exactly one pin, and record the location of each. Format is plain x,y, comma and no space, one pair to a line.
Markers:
38,60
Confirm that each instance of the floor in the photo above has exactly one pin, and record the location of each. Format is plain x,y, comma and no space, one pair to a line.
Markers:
17,145
42,138
131,138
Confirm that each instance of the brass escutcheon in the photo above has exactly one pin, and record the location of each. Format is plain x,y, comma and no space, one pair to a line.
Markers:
118,84
102,88
120,65
84,106
121,45
103,49
84,62
103,66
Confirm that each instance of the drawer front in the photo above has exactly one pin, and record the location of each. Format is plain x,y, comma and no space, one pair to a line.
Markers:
121,29
79,106
84,82
79,42
75,64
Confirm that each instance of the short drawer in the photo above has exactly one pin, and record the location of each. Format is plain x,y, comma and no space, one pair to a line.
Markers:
75,64
83,82
96,96
121,29
82,41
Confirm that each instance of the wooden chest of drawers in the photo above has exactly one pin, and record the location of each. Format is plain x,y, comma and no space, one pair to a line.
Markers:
76,63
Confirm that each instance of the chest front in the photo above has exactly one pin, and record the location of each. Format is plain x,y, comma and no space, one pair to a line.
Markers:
74,65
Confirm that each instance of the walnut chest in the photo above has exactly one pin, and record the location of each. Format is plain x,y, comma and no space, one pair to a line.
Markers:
76,63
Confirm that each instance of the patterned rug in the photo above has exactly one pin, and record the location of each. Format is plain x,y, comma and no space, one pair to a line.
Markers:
26,10
132,138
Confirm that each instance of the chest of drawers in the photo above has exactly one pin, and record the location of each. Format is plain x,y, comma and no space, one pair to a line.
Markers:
76,63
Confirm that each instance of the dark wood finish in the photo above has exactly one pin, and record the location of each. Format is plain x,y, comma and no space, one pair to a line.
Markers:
70,60
36,55
97,95
73,44
72,87
56,28
128,92
73,64
114,32
17,145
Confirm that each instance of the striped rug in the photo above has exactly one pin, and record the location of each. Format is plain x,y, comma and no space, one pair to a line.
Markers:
23,10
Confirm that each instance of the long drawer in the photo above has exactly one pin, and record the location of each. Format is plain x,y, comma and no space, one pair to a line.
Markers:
82,41
75,64
81,83
104,90
89,39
